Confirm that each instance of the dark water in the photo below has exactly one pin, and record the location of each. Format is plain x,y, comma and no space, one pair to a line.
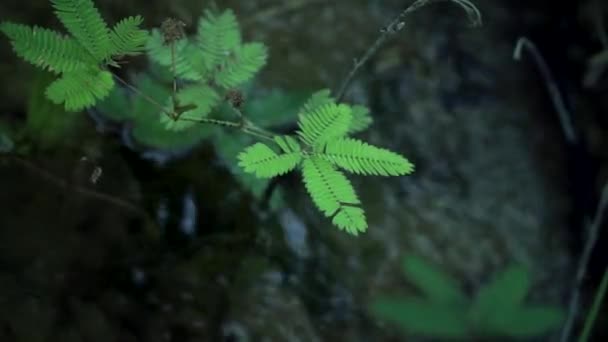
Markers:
170,246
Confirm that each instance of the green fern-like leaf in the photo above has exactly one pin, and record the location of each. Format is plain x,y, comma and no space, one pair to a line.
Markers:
361,158
266,163
80,89
325,123
218,36
127,38
241,67
421,317
83,21
181,58
433,282
317,99
287,144
333,194
46,49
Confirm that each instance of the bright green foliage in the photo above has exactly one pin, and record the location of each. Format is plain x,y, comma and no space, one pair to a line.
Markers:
498,309
324,123
46,49
228,145
216,57
80,89
324,126
80,58
266,163
84,23
333,194
360,118
361,158
316,100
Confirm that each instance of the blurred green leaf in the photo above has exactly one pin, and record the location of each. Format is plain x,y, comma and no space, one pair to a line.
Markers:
361,119
116,106
421,317
48,124
523,322
507,290
435,284
275,108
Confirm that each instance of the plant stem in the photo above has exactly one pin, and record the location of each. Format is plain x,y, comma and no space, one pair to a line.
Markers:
395,26
583,262
138,92
246,127
61,183
565,118
597,304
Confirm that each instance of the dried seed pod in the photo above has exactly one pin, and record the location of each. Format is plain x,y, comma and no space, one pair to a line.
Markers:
236,98
172,30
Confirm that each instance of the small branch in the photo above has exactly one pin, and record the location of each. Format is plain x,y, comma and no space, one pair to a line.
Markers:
247,127
565,117
597,304
139,92
594,229
394,27
61,183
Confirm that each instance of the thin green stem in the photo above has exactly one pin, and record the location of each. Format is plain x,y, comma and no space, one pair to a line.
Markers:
595,309
139,92
245,128
593,234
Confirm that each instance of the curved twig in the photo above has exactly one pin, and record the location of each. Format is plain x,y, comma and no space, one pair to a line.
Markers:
397,25
565,117
61,183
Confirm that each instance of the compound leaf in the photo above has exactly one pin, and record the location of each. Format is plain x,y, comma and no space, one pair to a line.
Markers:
507,290
333,194
324,123
420,317
361,158
46,49
127,38
218,36
83,21
316,100
436,285
80,89
181,58
262,161
242,66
